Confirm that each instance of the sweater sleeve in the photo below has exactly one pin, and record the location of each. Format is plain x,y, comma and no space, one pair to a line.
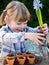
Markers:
30,29
8,39
13,37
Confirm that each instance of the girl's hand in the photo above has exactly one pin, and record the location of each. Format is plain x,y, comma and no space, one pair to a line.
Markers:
35,37
44,29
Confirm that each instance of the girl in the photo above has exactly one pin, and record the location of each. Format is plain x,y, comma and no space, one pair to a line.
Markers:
14,34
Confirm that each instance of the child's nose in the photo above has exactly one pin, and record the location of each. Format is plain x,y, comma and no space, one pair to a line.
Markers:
22,25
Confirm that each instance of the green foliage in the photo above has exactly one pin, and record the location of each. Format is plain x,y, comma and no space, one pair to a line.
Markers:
3,4
29,3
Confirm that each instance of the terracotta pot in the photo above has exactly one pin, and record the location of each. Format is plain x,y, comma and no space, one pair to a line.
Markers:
21,59
10,59
31,59
19,54
27,54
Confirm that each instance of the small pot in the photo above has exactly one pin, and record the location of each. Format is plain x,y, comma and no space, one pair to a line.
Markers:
21,59
19,54
27,54
10,59
31,59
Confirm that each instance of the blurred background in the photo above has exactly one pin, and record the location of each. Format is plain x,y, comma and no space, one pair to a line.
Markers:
29,3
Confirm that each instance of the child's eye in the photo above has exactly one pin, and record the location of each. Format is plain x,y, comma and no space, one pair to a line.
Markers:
18,24
25,23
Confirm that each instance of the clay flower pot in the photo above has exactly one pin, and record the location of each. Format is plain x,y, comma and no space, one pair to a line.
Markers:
19,54
27,54
21,59
10,59
31,59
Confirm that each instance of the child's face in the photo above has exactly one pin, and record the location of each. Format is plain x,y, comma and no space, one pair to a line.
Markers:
18,26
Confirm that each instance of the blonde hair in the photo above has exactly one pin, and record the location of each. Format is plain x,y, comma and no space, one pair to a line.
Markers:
18,10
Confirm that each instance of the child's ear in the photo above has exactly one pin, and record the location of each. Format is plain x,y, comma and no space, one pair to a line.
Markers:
6,19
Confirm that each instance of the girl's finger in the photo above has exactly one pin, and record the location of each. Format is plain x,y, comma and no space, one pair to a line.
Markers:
38,42
40,34
41,38
44,25
45,28
45,32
